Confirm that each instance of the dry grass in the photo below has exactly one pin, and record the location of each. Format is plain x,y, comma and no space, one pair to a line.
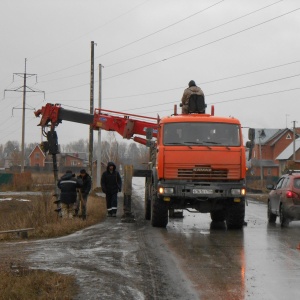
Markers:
18,281
39,213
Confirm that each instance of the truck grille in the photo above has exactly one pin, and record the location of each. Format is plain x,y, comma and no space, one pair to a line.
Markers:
202,174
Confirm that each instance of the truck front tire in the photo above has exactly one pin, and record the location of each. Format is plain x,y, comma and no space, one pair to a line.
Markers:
159,212
235,215
147,201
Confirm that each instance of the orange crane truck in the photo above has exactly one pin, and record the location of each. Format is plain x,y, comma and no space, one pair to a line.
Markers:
197,160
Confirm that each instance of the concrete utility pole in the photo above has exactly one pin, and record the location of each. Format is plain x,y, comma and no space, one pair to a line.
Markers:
261,136
24,89
294,141
91,139
99,131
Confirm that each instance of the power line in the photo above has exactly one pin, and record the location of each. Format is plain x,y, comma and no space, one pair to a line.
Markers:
99,27
157,48
24,89
219,102
177,88
192,36
160,30
196,48
135,41
252,85
235,89
205,82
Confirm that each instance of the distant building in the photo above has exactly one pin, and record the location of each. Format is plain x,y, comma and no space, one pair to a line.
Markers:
37,157
71,160
272,152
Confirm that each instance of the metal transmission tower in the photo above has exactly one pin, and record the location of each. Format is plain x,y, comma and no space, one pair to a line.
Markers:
24,89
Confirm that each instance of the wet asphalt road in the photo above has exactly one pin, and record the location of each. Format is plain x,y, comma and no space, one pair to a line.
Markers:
259,262
190,259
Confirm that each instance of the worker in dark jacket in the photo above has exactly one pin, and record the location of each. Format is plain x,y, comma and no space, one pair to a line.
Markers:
83,193
68,184
111,184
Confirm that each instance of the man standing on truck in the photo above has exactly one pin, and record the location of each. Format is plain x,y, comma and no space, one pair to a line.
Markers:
192,89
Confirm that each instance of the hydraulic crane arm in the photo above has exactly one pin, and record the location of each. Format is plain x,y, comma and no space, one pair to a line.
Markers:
127,125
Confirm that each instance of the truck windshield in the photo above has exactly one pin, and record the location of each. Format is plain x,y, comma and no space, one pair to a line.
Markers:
210,134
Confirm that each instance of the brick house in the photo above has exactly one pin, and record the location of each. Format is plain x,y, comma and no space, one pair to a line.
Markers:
269,156
37,157
286,157
71,160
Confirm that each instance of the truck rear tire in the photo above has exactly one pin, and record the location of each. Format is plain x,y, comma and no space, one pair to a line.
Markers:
235,215
159,212
218,215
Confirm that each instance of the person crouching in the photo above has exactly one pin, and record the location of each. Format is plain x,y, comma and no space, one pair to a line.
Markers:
68,184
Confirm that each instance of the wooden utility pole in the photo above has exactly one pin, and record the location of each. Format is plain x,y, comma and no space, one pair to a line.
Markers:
24,89
99,131
91,139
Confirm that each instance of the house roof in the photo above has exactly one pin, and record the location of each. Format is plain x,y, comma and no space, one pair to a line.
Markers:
288,152
72,155
39,149
266,135
81,155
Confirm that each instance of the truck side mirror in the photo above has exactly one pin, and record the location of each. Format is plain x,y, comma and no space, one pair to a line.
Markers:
250,145
251,134
149,133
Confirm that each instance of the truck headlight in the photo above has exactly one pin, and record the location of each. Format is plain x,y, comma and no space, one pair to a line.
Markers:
241,191
166,190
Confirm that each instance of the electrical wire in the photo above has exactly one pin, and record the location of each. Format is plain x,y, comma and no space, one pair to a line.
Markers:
135,41
205,82
222,101
148,65
235,89
160,30
192,36
85,34
196,48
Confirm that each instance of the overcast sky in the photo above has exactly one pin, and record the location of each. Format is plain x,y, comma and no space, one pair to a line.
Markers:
243,54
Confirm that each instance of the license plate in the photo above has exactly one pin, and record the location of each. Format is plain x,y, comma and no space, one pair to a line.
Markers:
202,191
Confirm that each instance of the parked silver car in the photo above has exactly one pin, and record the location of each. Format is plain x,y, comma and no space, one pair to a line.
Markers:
284,199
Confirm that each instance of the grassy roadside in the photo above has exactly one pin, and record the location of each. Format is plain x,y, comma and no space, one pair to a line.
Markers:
24,283
18,280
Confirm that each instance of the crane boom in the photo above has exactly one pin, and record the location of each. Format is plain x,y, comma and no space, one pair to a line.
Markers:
127,125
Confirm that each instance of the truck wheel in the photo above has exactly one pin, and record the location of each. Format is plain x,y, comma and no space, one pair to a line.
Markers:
147,202
218,215
159,212
271,217
284,221
171,212
235,215
147,209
